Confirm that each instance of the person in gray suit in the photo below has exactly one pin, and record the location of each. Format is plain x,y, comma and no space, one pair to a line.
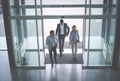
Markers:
62,30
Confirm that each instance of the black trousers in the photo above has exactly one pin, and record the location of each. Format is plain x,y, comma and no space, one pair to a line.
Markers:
51,53
61,42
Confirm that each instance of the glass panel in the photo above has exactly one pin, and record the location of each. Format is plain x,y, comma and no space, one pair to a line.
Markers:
29,2
32,58
3,45
25,45
31,40
15,7
15,42
96,57
11,2
39,11
30,11
112,32
56,2
86,48
96,1
96,41
42,58
41,43
96,11
24,11
15,11
113,12
63,11
87,11
88,1
114,1
110,43
86,34
38,2
31,45
109,55
40,35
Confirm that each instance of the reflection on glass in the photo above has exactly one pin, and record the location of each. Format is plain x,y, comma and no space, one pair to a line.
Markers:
111,34
15,41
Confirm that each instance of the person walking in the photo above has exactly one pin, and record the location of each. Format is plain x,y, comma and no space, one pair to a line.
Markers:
73,40
51,42
62,30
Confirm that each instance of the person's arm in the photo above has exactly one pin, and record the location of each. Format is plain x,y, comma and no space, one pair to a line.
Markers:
67,29
57,30
70,37
47,41
78,36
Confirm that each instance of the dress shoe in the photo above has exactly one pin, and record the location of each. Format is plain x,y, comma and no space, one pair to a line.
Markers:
52,65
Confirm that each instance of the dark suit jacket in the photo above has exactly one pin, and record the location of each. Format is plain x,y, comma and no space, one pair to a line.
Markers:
66,29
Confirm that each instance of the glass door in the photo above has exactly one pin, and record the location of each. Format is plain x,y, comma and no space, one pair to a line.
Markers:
27,26
28,42
93,43
96,57
98,33
27,33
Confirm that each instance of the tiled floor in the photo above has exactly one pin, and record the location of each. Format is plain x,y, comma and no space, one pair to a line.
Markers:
60,72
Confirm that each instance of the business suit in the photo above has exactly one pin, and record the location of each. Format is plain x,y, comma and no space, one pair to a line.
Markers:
61,37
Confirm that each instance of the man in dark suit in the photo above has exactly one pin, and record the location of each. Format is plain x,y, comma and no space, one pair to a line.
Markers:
62,31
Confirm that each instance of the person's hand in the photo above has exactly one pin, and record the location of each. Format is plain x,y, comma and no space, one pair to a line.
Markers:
67,34
55,46
78,41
